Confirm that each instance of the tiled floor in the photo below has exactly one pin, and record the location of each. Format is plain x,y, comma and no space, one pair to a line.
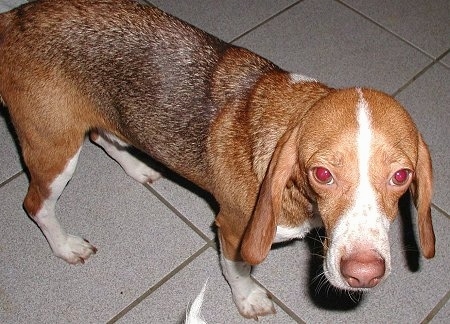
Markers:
156,248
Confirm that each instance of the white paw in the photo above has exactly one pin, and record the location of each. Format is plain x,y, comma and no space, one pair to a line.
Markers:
140,171
256,303
74,250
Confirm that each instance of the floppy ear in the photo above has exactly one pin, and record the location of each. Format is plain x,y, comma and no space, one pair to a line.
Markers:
260,231
421,189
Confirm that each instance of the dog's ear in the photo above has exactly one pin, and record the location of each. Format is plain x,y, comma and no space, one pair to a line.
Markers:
421,189
260,231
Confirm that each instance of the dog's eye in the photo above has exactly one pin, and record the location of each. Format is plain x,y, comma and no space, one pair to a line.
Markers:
400,177
323,175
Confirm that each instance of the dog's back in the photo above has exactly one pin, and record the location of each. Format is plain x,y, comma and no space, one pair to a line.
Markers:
146,65
114,63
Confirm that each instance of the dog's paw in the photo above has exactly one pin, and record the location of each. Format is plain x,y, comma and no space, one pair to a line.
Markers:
256,303
140,171
74,250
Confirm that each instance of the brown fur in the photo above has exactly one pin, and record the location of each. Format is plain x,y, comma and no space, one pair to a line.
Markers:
219,115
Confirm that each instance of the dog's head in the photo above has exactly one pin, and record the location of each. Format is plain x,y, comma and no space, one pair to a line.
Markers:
353,155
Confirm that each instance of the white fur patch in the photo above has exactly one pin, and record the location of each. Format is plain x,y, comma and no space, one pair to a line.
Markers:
291,233
117,149
251,300
298,78
70,248
364,224
61,180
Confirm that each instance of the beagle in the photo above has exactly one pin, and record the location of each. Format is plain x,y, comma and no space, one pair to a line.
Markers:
281,153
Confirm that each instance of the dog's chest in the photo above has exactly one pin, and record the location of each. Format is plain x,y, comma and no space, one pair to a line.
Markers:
285,233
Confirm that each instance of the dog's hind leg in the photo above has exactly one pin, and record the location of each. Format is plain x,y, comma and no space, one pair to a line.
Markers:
40,203
51,123
50,169
118,150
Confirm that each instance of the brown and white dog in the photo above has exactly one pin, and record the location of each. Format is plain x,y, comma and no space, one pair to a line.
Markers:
280,152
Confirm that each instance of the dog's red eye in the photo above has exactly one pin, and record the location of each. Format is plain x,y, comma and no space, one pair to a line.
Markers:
400,177
323,175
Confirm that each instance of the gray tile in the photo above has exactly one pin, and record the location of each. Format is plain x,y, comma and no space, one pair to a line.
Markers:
226,20
188,202
4,8
10,158
422,23
139,240
446,60
12,3
168,303
443,315
406,297
427,99
330,42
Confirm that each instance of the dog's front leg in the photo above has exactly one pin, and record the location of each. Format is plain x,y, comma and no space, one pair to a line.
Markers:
251,300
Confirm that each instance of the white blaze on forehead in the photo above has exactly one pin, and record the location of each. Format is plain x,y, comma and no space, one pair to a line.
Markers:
364,140
363,225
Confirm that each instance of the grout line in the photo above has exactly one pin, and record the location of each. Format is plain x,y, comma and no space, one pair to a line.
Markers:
437,308
264,21
12,178
280,304
414,78
385,29
440,210
440,57
421,72
161,282
178,213
211,243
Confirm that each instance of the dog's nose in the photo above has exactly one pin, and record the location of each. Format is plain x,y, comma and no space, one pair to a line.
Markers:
363,269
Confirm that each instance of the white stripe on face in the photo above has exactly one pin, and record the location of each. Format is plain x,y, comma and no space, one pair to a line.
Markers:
363,226
364,139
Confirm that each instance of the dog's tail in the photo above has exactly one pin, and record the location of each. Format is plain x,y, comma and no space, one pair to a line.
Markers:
193,315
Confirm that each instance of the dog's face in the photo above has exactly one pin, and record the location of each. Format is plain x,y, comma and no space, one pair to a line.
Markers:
356,152
358,166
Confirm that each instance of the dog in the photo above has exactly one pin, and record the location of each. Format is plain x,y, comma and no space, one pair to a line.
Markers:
281,153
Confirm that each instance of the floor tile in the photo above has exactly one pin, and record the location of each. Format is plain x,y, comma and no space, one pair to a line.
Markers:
4,7
13,3
197,206
443,315
330,42
139,240
423,23
227,20
427,99
168,303
412,289
446,60
10,158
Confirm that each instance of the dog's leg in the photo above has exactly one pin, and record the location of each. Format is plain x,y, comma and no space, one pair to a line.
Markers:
117,149
40,201
251,300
